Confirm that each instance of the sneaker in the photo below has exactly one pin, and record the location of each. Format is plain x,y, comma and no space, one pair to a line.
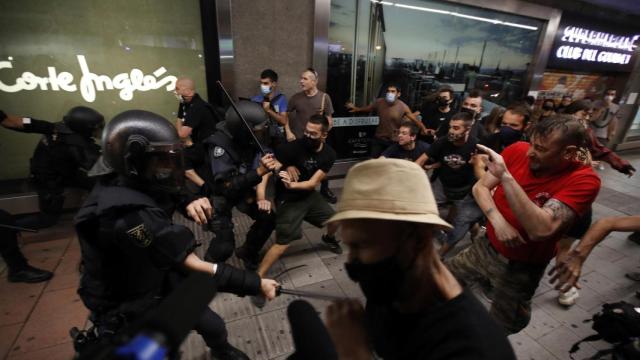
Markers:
332,243
228,352
258,301
29,274
250,261
569,298
329,195
635,237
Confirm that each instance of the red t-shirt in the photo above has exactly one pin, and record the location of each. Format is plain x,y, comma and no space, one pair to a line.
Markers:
576,187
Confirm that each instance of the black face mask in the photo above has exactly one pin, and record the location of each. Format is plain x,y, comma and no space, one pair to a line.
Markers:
509,135
442,102
311,144
467,110
380,282
547,107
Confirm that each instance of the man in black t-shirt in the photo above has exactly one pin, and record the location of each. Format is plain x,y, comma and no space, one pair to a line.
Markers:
307,162
196,122
451,158
436,115
408,148
415,308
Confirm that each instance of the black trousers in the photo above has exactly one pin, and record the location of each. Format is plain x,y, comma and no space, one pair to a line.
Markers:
9,243
222,246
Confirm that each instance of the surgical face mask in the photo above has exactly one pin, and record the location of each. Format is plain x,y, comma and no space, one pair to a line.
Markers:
609,98
265,89
179,97
509,135
390,97
311,144
381,282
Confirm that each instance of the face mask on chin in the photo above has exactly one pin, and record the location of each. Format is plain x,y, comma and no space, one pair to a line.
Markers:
179,97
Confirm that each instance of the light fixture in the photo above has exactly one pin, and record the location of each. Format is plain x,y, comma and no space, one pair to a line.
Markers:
452,13
378,47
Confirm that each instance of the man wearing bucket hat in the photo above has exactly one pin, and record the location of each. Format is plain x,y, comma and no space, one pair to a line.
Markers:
415,308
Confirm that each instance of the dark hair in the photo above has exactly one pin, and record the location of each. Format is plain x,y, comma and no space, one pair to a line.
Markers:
394,86
445,88
475,93
413,128
269,74
567,96
520,110
530,100
571,130
464,116
320,120
578,105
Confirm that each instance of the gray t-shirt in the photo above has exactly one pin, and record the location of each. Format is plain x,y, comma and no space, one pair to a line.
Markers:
301,107
600,126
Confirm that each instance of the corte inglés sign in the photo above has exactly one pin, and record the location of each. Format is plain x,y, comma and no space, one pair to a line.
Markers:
90,83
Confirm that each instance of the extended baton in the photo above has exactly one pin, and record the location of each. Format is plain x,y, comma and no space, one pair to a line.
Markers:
308,294
233,105
17,228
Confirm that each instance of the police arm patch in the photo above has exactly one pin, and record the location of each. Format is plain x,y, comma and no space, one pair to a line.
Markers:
218,151
140,236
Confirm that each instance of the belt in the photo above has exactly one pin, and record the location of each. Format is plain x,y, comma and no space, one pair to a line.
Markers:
503,259
520,264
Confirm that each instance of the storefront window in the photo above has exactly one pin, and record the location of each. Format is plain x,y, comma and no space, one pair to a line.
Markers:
422,45
111,56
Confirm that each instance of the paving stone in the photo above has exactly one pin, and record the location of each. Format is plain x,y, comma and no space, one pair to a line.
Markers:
559,341
527,348
277,332
8,334
57,352
541,323
314,271
247,335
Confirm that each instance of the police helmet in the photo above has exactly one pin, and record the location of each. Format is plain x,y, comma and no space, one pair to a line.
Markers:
252,112
144,147
84,121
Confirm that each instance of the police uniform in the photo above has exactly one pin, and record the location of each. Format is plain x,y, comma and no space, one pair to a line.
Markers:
132,253
234,177
61,159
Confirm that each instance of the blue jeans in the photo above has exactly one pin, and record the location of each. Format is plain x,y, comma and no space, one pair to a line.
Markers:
467,212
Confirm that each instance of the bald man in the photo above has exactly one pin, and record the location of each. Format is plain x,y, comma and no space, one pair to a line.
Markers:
196,118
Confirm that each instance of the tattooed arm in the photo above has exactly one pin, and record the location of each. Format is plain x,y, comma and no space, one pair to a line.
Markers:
539,223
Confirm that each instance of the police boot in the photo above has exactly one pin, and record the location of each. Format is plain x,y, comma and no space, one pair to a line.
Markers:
228,352
29,274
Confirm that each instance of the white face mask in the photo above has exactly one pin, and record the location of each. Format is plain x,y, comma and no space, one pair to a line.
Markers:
179,97
609,98
390,97
265,89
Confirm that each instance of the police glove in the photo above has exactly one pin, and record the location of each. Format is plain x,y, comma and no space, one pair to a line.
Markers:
234,280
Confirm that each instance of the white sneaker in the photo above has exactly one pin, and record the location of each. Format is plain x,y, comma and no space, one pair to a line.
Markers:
569,298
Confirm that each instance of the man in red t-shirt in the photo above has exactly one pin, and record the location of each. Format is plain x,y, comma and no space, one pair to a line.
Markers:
540,190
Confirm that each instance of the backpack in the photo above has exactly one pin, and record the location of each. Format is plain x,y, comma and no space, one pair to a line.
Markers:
619,324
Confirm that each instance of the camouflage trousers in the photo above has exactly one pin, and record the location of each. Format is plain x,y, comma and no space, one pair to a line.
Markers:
513,283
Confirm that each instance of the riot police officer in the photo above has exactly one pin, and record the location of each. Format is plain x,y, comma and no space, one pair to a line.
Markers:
233,156
64,154
131,250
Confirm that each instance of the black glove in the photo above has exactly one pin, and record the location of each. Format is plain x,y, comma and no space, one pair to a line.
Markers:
627,169
3,115
239,282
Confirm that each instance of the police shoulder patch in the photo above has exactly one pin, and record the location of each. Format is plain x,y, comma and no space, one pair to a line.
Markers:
140,235
218,151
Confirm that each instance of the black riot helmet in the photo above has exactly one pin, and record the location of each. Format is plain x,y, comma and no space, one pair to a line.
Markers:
255,116
84,121
145,148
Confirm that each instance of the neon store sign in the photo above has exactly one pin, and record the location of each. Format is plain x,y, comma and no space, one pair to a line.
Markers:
595,46
90,83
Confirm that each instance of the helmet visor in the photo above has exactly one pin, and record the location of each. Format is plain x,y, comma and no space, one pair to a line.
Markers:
165,166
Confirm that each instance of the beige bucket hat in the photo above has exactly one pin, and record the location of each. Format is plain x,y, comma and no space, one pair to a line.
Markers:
388,189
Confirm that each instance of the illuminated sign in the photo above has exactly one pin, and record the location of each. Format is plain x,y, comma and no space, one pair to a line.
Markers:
90,83
589,48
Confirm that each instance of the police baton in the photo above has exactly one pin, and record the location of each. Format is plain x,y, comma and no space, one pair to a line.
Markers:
17,228
308,294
